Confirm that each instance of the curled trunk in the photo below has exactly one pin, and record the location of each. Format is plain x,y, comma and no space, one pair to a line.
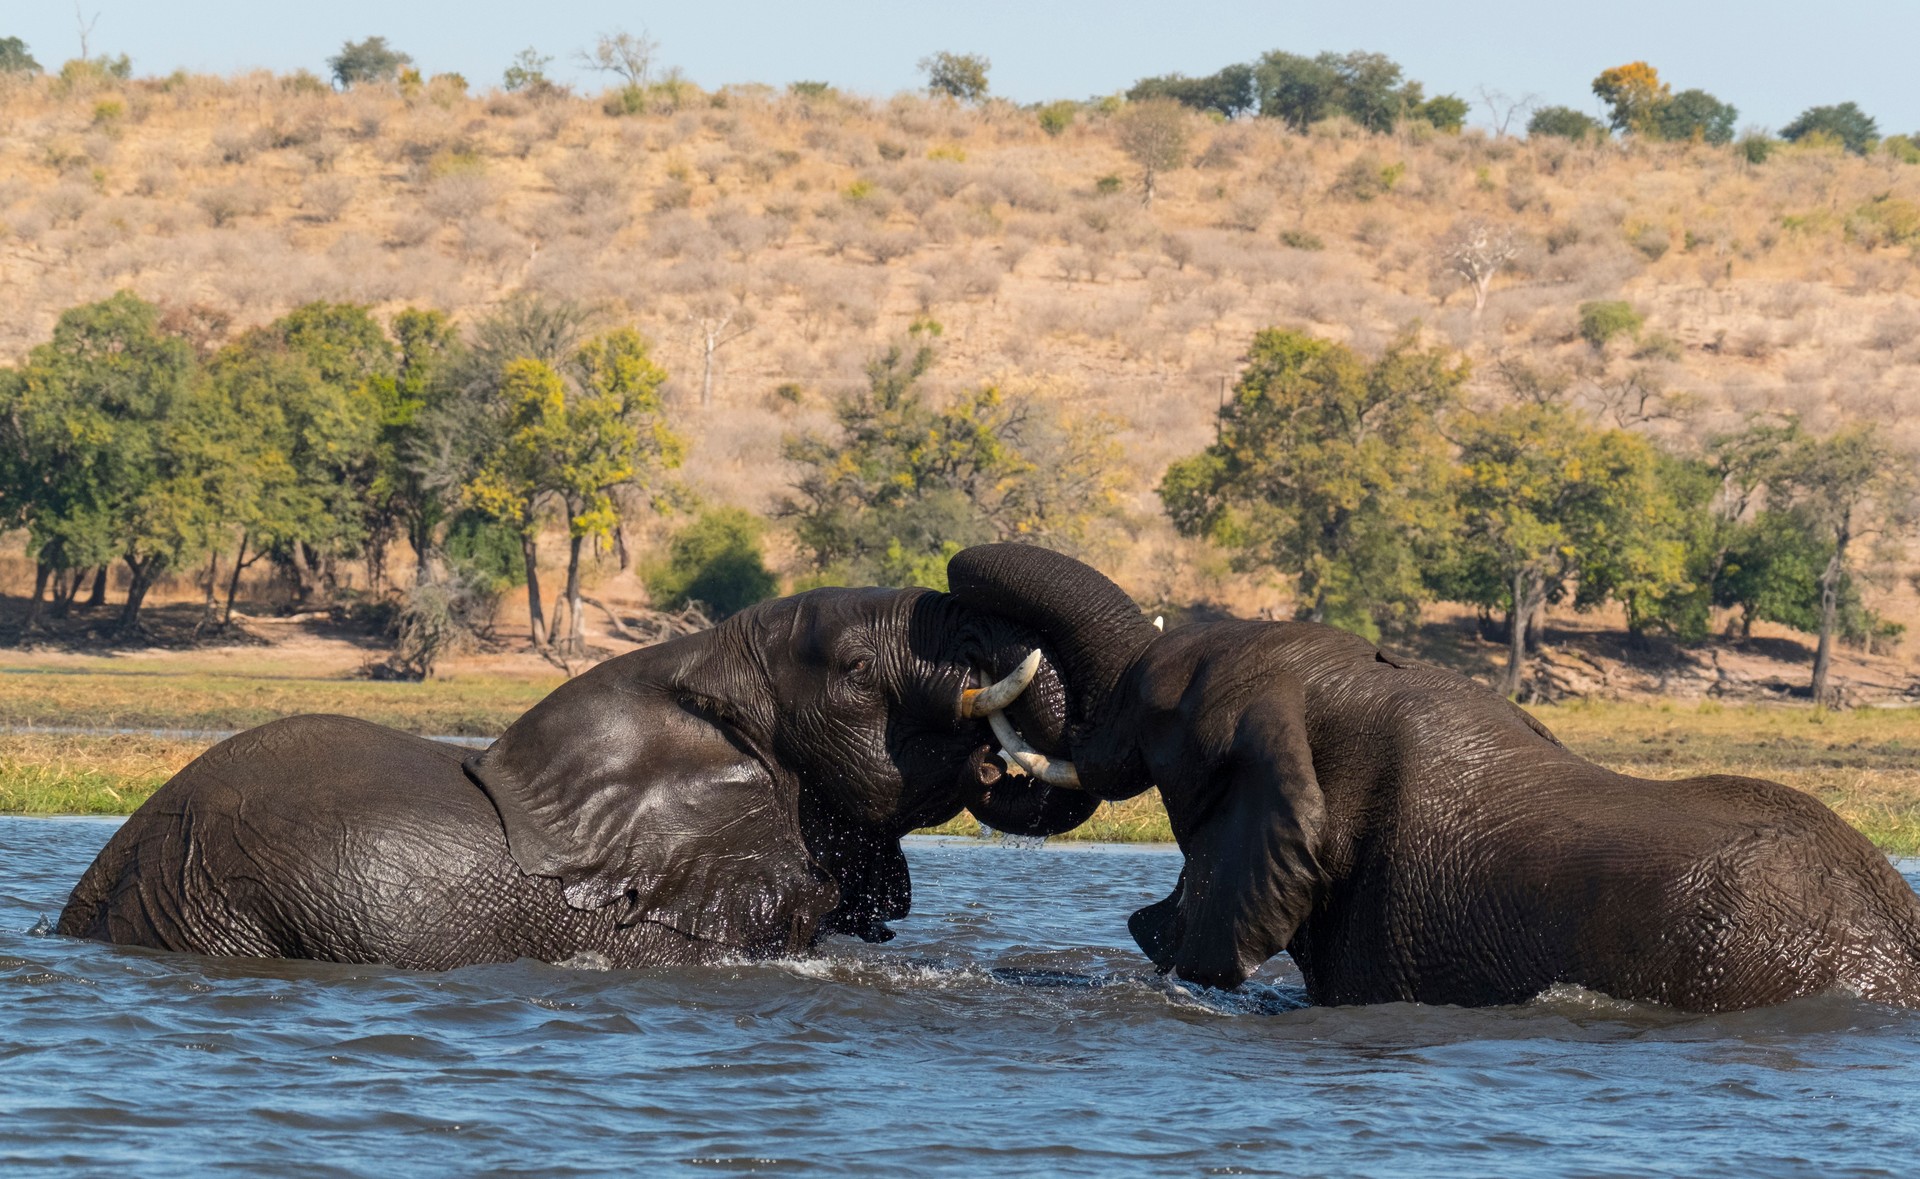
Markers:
1091,629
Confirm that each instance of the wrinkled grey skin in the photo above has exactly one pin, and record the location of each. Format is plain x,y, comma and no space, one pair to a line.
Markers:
734,793
1407,834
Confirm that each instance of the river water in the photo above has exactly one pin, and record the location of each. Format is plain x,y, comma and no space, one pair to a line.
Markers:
1012,1028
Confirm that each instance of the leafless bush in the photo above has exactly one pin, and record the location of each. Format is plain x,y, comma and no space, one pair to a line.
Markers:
154,180
64,204
486,240
234,145
225,203
746,232
884,245
1081,263
955,278
1024,190
411,230
679,234
459,195
672,194
1248,212
1223,151
1894,330
1013,248
583,180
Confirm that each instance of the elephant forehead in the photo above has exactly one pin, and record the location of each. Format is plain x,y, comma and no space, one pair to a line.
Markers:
818,620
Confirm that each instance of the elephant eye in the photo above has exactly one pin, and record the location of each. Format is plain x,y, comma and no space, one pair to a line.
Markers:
859,669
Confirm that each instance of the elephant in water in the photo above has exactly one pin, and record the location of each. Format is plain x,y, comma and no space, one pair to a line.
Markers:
1407,834
738,792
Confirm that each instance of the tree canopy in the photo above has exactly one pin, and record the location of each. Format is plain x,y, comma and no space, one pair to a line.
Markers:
908,483
1852,127
1329,469
371,60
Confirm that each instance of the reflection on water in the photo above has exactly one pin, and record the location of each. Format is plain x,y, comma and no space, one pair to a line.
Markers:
1011,1028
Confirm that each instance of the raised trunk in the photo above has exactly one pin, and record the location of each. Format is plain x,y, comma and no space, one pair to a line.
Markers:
536,616
1090,628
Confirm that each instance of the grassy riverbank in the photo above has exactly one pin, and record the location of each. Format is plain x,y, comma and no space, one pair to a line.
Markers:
1864,763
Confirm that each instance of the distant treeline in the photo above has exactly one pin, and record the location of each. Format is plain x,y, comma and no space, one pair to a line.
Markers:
323,437
135,436
1376,488
1370,89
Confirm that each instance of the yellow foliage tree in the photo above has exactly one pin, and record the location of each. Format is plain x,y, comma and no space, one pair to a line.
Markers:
1634,94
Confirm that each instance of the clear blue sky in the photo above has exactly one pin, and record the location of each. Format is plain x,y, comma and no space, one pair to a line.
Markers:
1771,58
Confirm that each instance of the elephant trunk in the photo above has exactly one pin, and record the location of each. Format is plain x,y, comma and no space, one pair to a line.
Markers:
1018,806
1088,624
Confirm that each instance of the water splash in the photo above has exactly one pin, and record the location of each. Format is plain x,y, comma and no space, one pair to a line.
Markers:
1009,839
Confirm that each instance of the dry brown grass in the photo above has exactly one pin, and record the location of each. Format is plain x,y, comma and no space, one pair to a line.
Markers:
840,220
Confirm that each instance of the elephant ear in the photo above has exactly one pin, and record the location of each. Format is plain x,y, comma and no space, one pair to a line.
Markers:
1253,834
632,793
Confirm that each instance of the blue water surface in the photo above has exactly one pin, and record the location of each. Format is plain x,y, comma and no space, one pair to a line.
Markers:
1012,1028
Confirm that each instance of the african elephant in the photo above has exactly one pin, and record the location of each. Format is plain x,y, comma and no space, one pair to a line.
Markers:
738,792
1407,834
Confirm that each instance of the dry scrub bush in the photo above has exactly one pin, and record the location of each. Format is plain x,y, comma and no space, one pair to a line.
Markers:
459,196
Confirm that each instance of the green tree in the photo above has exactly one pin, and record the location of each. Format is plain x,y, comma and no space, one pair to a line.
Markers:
1366,87
316,376
371,60
1771,571
529,72
402,497
1229,92
1604,319
1544,498
907,484
718,561
957,75
112,422
14,58
1854,128
1849,486
1446,112
1297,90
1566,123
579,447
1329,469
1694,114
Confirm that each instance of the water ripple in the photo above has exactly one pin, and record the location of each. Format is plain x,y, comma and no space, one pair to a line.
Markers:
1012,1028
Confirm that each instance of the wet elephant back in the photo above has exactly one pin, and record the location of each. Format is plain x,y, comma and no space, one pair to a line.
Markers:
331,838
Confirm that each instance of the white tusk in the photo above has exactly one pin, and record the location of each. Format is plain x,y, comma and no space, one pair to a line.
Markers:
1160,623
993,698
1036,763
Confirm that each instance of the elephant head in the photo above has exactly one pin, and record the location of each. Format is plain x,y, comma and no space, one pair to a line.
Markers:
750,784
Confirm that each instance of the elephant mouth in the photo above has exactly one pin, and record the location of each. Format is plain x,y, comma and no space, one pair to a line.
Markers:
990,701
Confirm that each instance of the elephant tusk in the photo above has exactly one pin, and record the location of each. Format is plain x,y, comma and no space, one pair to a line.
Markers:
1160,622
976,702
1036,763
